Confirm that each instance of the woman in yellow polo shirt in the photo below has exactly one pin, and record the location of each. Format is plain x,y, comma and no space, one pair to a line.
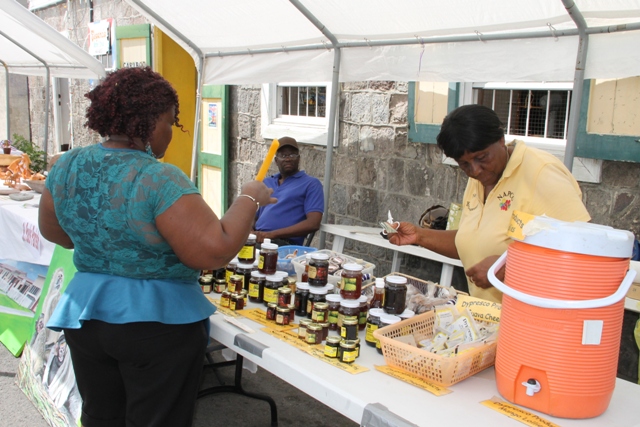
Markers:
503,178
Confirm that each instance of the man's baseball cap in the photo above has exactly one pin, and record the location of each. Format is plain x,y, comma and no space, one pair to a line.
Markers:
287,140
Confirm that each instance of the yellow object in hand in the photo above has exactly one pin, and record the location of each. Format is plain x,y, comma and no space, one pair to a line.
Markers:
267,160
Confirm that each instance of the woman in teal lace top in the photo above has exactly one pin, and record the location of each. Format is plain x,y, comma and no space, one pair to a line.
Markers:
134,316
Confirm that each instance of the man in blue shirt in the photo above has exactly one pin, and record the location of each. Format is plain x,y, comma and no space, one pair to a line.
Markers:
300,200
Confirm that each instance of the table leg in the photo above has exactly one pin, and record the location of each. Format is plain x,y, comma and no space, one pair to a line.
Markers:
397,260
446,275
338,244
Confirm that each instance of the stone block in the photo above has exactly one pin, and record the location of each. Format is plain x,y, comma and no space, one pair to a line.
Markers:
369,205
398,107
338,199
396,175
245,126
382,85
366,171
350,86
380,109
621,174
360,111
416,177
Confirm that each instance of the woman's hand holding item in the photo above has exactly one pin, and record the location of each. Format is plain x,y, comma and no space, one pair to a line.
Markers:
478,273
258,191
407,234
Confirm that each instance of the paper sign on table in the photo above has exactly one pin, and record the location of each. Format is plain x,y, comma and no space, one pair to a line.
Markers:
481,309
517,413
221,309
436,389
260,316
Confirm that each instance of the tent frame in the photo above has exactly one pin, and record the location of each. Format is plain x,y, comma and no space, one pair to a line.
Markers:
582,31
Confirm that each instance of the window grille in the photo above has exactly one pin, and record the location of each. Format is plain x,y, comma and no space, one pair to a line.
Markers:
302,101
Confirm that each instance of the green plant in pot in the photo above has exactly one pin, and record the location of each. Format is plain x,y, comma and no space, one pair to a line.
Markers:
37,156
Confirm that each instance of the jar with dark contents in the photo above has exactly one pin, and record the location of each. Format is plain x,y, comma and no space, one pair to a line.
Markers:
268,261
348,351
351,281
373,323
271,311
349,309
315,295
220,274
245,296
256,286
395,294
331,346
225,299
305,273
271,286
386,320
283,316
301,298
248,252
236,283
302,328
284,296
357,341
349,329
325,330
230,270
245,271
364,310
318,269
314,333
319,312
332,310
236,302
219,285
206,283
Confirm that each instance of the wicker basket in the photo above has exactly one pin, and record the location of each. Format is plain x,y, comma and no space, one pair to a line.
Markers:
437,369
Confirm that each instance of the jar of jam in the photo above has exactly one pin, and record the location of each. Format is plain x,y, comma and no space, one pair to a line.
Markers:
319,312
349,329
318,269
331,346
268,261
315,295
220,274
271,286
314,333
301,297
256,286
225,299
364,310
386,320
351,281
378,293
305,273
332,310
349,309
206,283
236,283
248,252
271,311
347,351
245,296
283,316
245,271
236,302
302,328
395,294
230,270
373,323
325,330
284,296
219,285
357,340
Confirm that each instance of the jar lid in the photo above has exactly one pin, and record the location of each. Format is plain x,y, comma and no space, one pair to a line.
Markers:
350,303
236,277
256,273
389,319
221,281
376,312
303,285
363,298
318,291
206,279
334,298
266,245
284,290
243,292
398,280
352,266
233,262
251,236
334,339
245,265
379,282
281,273
329,287
314,326
284,309
320,306
324,324
319,256
305,322
274,278
406,314
272,305
348,344
226,293
350,322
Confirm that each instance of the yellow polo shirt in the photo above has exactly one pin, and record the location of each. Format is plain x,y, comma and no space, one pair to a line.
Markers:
534,182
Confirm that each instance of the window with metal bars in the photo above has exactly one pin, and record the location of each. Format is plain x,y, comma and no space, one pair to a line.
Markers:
302,101
529,112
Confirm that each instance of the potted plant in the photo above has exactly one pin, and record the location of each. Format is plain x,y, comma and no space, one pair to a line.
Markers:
6,146
37,156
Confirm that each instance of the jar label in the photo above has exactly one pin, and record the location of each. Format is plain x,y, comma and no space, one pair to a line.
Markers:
330,351
247,252
369,334
348,356
310,307
279,319
333,317
311,337
254,290
349,284
228,275
261,263
318,316
362,318
270,295
231,286
232,305
312,272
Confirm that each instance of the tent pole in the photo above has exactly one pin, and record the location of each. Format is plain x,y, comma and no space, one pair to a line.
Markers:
578,82
6,68
333,108
198,121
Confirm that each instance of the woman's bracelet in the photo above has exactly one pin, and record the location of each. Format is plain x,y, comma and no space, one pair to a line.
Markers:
252,199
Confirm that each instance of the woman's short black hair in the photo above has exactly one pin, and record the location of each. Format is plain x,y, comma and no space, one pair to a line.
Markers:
129,101
469,128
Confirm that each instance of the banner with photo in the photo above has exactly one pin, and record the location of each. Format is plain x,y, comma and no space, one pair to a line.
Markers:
21,290
45,373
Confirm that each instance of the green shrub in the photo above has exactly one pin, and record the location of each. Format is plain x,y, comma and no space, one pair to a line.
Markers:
37,157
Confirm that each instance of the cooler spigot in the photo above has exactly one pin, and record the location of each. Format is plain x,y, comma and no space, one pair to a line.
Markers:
532,386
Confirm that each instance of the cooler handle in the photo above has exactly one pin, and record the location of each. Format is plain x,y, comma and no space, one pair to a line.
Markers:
554,303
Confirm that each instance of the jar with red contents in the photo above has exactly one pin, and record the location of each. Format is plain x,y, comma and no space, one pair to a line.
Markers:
271,286
315,295
349,309
248,252
351,281
318,269
256,286
284,296
244,270
268,261
364,311
334,307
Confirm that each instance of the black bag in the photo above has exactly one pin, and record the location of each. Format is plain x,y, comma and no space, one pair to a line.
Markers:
435,218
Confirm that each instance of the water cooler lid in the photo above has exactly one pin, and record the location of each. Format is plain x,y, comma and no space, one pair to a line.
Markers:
578,237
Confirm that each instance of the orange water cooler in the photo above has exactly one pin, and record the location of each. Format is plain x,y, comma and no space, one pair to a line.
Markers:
561,317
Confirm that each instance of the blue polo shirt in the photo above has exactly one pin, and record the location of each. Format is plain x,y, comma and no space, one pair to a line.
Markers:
297,196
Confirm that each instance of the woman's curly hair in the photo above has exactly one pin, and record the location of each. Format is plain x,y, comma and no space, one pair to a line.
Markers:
129,101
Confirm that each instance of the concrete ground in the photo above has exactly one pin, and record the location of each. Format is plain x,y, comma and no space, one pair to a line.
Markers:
295,408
